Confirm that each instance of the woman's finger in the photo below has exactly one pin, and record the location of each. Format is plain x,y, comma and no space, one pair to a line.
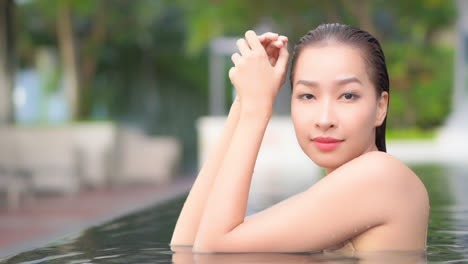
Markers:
266,43
268,36
231,73
243,47
253,41
235,58
272,61
266,39
282,62
278,44
270,50
281,41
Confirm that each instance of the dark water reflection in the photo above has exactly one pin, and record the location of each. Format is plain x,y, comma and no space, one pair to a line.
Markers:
143,237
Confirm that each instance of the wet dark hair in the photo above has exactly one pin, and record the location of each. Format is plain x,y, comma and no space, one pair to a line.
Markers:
371,51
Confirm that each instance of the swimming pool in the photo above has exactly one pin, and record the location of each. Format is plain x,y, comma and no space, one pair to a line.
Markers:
143,237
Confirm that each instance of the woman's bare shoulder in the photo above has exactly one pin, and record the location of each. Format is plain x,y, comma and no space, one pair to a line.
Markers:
387,174
381,171
379,165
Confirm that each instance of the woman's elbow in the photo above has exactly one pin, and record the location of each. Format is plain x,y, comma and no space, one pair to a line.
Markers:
204,247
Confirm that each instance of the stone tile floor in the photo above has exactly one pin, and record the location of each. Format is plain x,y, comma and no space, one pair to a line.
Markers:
50,218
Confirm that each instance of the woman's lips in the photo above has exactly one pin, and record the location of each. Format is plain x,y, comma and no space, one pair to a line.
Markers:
326,143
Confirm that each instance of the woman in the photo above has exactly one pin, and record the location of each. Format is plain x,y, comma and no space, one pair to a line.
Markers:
340,90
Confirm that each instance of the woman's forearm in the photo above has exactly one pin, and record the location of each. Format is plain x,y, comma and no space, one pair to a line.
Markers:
189,219
227,202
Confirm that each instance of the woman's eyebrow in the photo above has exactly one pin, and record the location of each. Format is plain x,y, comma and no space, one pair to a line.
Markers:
307,83
339,82
347,80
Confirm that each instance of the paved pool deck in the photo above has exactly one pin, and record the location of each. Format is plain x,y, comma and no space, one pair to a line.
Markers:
47,219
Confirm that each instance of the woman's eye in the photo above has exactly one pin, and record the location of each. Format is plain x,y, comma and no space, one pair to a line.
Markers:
306,96
349,96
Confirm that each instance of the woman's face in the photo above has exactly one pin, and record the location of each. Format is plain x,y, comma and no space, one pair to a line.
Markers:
334,106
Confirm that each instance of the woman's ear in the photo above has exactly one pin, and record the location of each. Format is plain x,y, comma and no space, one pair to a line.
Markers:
382,106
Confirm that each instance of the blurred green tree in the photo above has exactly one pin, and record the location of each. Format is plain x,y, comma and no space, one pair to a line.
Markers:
7,59
145,62
408,31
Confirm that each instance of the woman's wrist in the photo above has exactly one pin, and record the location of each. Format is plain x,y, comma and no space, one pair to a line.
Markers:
257,110
236,104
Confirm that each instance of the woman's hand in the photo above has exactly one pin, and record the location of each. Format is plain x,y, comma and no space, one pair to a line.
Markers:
272,43
256,79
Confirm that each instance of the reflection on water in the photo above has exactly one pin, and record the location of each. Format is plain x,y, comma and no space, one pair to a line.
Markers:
184,256
143,237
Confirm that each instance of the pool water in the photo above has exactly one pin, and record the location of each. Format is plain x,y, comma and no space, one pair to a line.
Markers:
143,237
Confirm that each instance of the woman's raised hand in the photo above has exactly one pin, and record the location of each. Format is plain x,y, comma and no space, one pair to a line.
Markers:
257,75
272,42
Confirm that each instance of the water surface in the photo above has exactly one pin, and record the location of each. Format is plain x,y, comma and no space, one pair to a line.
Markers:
143,237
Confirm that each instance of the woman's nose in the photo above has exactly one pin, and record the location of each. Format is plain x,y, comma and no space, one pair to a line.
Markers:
325,118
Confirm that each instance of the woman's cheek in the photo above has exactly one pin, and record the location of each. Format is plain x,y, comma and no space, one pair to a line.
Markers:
359,121
299,122
301,116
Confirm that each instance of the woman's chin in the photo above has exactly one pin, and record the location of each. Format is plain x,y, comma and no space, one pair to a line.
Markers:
328,162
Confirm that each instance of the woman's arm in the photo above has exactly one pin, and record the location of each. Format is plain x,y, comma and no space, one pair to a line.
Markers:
189,219
257,82
370,192
227,202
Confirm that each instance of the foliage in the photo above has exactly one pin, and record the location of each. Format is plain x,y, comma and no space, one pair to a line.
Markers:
421,89
210,18
141,75
145,62
410,133
420,68
416,21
